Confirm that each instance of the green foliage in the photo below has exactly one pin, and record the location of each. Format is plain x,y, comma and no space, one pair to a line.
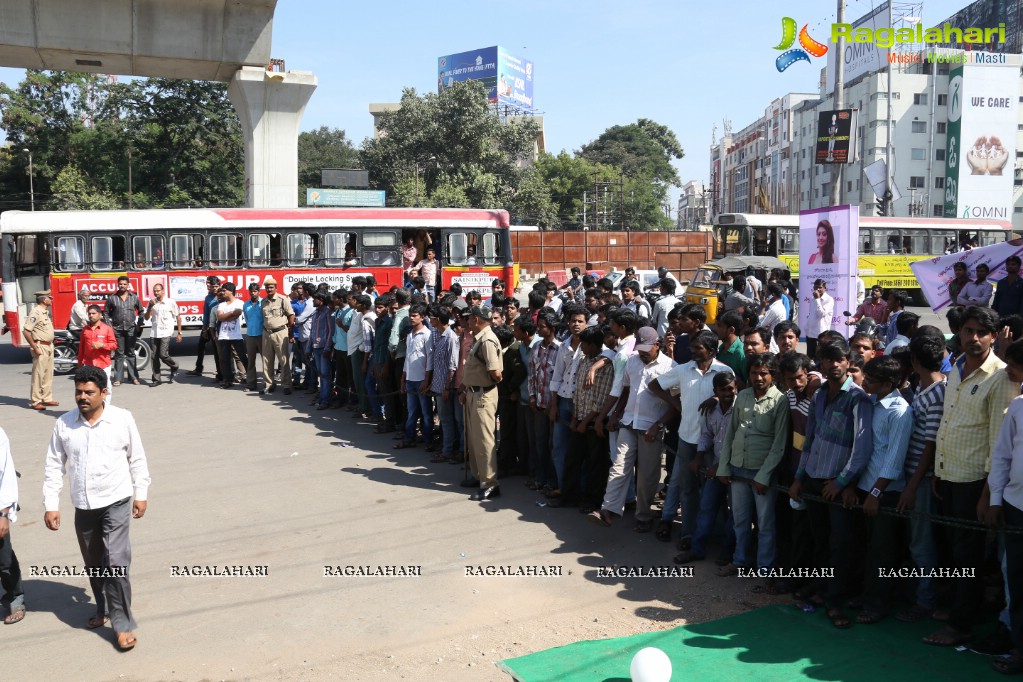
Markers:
73,190
449,149
322,148
644,148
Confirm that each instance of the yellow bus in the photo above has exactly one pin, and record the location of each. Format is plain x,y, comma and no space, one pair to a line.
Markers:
887,245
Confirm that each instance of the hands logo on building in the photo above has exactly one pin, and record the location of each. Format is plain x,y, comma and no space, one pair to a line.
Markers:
788,37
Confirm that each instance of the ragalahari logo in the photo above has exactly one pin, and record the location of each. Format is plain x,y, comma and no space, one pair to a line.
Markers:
788,37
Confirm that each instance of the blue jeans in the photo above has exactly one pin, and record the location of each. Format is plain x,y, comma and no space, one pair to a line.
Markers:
684,485
562,438
418,408
713,496
376,409
923,547
450,433
324,371
745,503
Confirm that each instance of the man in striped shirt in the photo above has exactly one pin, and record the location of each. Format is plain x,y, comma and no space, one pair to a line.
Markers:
541,368
440,374
926,354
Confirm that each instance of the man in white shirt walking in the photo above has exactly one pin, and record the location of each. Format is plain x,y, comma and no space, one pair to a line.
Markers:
100,449
10,571
163,313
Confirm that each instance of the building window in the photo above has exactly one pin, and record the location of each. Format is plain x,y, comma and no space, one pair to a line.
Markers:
920,98
942,100
916,181
1018,209
939,154
917,154
938,210
919,126
939,127
848,186
939,182
943,68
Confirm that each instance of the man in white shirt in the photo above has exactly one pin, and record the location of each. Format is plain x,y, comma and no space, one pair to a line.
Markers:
163,313
979,291
819,315
100,449
633,300
639,417
418,347
665,304
774,310
229,314
10,570
356,336
79,313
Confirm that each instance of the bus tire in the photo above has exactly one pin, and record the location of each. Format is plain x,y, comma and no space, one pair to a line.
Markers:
143,354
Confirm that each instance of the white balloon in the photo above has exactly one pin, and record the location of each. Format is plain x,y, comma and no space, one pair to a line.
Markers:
650,665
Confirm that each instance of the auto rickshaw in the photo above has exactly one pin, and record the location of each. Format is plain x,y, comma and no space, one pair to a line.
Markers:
709,288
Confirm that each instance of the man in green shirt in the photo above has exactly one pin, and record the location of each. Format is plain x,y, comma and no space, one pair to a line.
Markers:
754,445
732,353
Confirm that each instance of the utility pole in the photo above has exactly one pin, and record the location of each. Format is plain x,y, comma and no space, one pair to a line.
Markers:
129,180
889,209
31,180
839,98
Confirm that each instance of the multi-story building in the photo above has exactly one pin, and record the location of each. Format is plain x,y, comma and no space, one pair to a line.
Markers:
693,206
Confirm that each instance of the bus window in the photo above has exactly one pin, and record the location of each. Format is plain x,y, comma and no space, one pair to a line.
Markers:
70,254
457,248
182,250
259,250
148,252
788,240
915,243
380,248
336,251
491,250
942,241
886,241
108,253
302,249
224,250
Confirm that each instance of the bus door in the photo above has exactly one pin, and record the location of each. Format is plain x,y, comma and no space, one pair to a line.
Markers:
26,270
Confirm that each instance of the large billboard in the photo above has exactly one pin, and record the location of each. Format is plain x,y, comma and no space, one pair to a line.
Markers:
828,250
860,58
836,136
508,79
980,153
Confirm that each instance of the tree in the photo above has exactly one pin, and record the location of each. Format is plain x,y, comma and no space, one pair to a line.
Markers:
73,190
641,148
322,148
442,147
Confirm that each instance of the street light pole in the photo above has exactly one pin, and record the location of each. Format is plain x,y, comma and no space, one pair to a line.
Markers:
31,180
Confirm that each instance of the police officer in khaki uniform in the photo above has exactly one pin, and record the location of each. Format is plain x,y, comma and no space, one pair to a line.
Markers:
480,377
38,331
278,322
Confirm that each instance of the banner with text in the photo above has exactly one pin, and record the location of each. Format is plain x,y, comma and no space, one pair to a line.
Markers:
828,250
935,274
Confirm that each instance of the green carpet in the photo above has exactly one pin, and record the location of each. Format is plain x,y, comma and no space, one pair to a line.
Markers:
773,643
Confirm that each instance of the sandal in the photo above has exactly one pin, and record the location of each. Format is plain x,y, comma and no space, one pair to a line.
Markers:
97,622
839,619
126,641
17,615
1010,665
947,636
869,618
663,531
601,518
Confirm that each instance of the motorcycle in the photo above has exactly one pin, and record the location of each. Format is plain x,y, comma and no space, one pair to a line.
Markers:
65,352
867,325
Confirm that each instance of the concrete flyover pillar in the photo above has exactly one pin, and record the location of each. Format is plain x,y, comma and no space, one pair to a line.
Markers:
270,106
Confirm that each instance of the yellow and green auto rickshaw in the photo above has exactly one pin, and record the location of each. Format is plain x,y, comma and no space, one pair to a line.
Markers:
709,287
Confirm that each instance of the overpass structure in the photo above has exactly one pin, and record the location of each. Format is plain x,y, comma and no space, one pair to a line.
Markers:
218,40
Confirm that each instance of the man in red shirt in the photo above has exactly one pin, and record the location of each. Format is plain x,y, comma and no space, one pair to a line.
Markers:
97,344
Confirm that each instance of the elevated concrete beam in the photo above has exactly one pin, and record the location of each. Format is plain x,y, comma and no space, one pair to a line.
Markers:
188,39
270,107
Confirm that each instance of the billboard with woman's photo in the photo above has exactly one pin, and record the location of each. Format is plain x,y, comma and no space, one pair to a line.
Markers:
828,251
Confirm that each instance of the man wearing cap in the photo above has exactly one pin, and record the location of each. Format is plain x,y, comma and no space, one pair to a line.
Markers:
212,284
38,331
164,314
480,377
278,321
639,417
253,312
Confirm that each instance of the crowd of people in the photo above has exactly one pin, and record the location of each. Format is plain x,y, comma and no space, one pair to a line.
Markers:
819,472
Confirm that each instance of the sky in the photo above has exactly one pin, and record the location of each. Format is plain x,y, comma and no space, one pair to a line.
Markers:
597,64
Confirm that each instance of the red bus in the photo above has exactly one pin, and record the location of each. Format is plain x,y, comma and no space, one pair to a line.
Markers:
67,250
